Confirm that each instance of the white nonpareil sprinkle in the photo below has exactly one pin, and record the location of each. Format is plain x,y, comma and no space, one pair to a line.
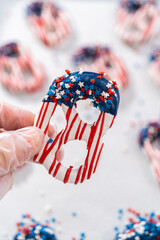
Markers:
48,209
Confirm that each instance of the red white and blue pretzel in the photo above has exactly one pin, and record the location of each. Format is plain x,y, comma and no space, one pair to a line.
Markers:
137,21
66,91
50,23
102,59
147,137
15,62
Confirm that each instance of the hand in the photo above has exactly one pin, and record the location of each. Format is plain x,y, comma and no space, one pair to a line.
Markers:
19,142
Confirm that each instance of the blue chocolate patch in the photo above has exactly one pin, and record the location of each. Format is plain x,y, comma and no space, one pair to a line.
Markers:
155,55
76,86
9,50
151,132
35,8
89,54
133,5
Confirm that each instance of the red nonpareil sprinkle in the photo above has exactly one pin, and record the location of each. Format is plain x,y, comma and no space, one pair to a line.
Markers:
82,89
110,91
54,99
62,78
100,77
114,82
58,85
102,98
66,99
102,73
67,71
110,98
71,85
58,80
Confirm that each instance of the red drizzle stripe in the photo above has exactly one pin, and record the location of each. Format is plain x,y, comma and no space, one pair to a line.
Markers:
78,175
54,142
44,114
82,131
112,121
89,144
157,173
50,118
39,114
67,175
99,154
56,170
72,123
52,166
68,113
47,151
44,154
86,161
96,148
60,141
67,118
35,157
79,126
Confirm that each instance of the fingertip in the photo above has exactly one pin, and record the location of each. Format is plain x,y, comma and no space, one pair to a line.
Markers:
60,155
52,131
34,138
6,183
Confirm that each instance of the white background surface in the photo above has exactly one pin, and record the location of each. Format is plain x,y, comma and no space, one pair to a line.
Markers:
123,178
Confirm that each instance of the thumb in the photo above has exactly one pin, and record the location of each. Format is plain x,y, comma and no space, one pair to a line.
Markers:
17,147
6,183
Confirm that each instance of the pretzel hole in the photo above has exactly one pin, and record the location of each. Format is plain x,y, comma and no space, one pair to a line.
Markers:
156,143
108,64
51,28
133,28
58,119
7,70
87,112
27,74
74,152
148,18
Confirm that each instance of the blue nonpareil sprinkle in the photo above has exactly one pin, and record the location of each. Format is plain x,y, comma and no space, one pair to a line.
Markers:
120,211
83,235
74,214
116,229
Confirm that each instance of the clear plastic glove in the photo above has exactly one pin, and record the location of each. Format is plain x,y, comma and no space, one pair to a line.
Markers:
18,142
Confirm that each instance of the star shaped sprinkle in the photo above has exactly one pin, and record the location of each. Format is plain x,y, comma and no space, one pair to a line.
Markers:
105,94
80,70
81,84
92,81
67,85
62,92
46,97
67,71
109,85
78,92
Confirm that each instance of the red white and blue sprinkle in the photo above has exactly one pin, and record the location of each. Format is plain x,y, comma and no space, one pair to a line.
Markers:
140,227
72,87
29,228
